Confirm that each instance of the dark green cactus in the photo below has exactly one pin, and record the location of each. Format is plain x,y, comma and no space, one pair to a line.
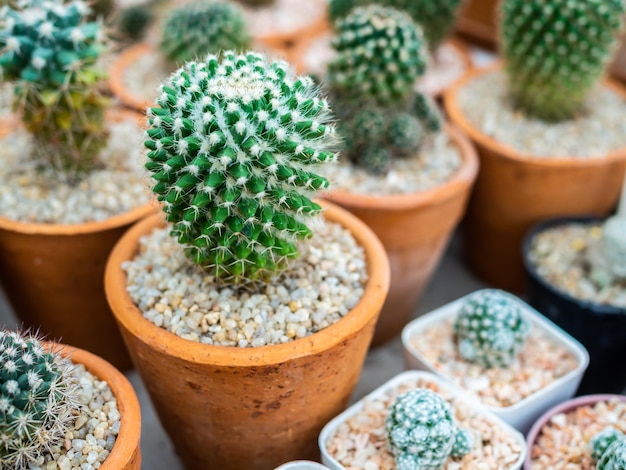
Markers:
133,21
490,328
205,26
233,149
436,17
608,448
256,3
556,51
422,431
602,441
37,399
50,51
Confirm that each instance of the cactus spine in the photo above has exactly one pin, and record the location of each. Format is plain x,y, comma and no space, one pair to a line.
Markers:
422,431
50,51
37,398
556,51
196,29
233,149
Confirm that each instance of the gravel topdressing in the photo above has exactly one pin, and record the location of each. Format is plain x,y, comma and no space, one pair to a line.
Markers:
599,129
319,288
28,195
284,16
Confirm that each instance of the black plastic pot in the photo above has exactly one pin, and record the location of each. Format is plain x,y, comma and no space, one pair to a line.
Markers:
600,328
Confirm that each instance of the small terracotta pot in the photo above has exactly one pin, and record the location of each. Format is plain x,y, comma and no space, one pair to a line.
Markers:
477,22
285,43
249,408
514,191
126,453
565,407
414,229
52,276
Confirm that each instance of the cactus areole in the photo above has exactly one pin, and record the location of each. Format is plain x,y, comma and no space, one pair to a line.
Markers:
233,149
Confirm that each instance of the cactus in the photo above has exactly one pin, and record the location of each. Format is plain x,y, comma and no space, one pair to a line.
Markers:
436,17
608,448
196,29
256,3
233,147
422,432
50,50
602,441
133,21
556,51
37,399
490,329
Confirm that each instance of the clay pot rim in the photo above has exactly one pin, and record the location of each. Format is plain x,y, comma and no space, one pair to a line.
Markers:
113,222
126,445
461,179
566,406
594,308
457,116
116,76
131,318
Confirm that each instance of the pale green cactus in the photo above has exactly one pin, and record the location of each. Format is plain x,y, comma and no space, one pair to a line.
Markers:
233,146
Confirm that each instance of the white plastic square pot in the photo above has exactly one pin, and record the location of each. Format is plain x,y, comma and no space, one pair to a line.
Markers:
408,378
523,413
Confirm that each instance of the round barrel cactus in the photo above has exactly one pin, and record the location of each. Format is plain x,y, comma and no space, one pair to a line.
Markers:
133,21
608,448
37,398
603,440
196,29
490,329
422,431
233,148
556,51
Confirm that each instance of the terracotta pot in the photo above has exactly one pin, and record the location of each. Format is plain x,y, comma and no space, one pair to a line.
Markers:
52,276
514,191
117,71
249,408
414,229
285,43
477,22
126,453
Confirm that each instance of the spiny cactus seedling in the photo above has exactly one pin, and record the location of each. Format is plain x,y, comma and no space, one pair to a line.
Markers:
50,50
608,448
422,431
133,21
436,17
490,328
602,441
233,147
256,3
37,399
556,51
196,29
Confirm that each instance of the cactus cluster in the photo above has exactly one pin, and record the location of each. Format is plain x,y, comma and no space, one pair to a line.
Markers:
556,51
436,17
233,148
608,448
422,432
37,400
490,328
49,49
205,26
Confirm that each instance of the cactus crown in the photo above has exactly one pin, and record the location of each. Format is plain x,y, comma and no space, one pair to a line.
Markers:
490,328
37,397
436,17
608,448
556,51
193,30
50,49
422,432
233,147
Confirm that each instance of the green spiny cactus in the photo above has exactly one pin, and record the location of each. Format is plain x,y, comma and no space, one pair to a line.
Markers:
50,50
490,328
133,21
405,134
37,399
556,51
205,26
233,147
257,3
422,431
427,111
436,17
602,441
608,448
380,55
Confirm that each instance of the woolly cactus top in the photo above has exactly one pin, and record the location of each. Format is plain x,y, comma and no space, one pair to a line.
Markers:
490,328
44,41
36,400
195,29
422,432
608,448
380,54
233,149
556,51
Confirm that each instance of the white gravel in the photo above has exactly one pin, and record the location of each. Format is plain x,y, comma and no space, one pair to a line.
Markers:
284,16
435,164
318,288
599,129
143,77
28,195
